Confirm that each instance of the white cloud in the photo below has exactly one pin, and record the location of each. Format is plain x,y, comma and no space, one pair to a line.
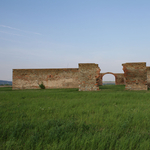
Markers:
19,29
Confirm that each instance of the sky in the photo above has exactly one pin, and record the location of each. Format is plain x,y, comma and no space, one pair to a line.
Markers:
63,33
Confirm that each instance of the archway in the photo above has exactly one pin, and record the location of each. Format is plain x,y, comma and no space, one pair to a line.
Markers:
108,78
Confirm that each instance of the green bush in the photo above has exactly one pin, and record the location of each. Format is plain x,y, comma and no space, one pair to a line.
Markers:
42,86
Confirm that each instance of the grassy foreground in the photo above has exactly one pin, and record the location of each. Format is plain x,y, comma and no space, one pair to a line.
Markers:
65,119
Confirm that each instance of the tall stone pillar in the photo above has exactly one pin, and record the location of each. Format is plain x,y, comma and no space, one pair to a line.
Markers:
88,75
148,77
135,76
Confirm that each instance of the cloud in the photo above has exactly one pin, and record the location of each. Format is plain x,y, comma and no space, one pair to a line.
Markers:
12,33
19,29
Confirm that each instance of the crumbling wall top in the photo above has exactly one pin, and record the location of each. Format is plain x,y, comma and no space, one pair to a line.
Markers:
87,65
137,64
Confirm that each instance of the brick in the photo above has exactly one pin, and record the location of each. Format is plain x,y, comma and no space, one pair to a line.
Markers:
51,78
88,74
148,76
135,76
119,78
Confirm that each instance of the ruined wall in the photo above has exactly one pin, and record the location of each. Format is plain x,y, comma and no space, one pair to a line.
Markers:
100,80
51,78
88,74
148,77
135,76
119,78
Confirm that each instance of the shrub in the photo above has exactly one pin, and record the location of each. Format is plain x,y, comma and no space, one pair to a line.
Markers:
42,86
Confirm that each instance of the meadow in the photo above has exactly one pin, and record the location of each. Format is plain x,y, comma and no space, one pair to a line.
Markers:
66,119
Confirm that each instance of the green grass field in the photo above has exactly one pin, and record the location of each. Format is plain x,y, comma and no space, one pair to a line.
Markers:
66,119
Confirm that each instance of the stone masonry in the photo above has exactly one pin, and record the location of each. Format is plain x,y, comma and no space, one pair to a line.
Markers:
87,77
119,78
135,76
148,77
51,78
88,74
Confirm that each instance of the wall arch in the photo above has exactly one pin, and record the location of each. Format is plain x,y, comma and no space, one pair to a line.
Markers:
119,78
106,73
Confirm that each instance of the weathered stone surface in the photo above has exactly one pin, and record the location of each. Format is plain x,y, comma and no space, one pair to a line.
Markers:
119,78
51,78
135,76
148,77
100,79
87,77
88,74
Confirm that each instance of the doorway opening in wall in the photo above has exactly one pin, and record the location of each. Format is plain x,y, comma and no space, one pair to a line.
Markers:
108,79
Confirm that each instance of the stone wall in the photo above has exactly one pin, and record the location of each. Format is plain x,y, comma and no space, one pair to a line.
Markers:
135,76
51,78
119,78
88,75
148,77
100,79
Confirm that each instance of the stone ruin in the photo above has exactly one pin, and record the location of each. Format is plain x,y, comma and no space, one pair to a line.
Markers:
135,75
88,74
51,78
119,78
87,77
148,77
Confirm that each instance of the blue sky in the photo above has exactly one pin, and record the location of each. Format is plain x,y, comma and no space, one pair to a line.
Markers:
63,33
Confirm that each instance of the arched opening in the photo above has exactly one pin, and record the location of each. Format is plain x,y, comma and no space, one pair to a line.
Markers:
108,79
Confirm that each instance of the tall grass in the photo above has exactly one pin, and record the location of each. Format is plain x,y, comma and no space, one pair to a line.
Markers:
66,119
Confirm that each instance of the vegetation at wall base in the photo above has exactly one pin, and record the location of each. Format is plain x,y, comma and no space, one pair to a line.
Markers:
66,119
42,86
